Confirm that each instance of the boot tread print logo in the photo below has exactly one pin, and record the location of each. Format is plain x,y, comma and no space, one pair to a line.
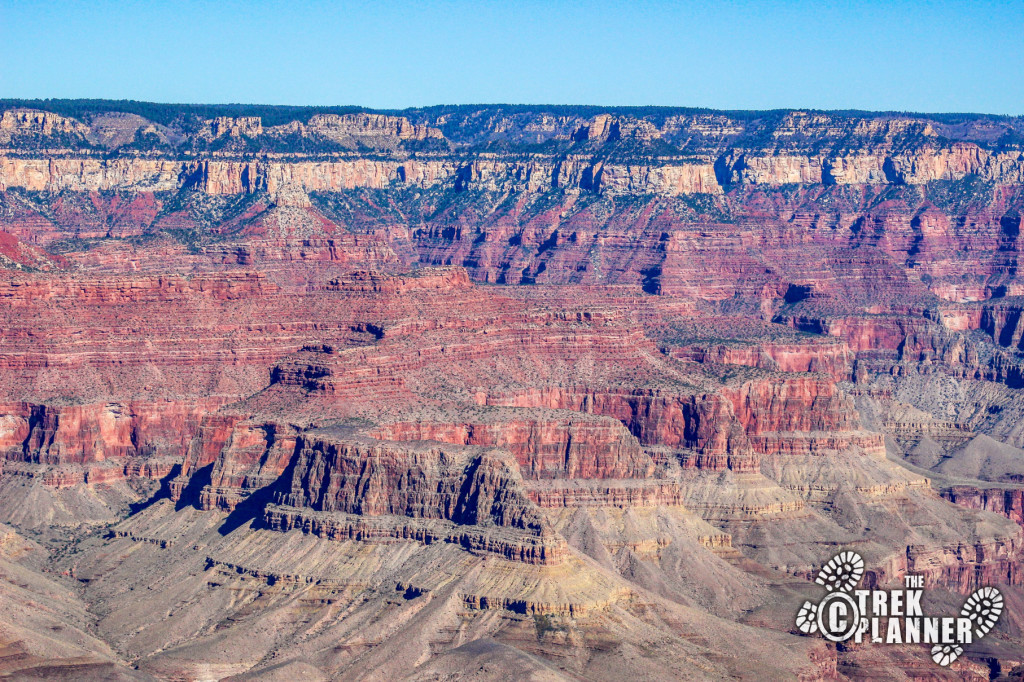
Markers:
983,608
842,572
846,613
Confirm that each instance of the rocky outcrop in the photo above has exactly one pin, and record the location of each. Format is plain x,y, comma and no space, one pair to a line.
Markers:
665,177
250,457
961,567
1008,502
375,479
359,489
365,129
141,438
723,430
771,412
25,292
242,126
90,175
526,548
15,123
580,446
867,168
359,126
425,279
621,494
704,424
834,359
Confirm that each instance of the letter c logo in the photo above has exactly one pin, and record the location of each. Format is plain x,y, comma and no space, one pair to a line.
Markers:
838,617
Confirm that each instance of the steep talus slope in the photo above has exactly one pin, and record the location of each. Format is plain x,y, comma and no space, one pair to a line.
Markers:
47,630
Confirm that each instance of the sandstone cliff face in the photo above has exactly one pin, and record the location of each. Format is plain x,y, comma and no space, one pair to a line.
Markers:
89,175
247,126
1002,320
544,448
116,129
867,168
376,479
366,129
104,291
774,170
356,489
662,177
18,122
429,279
670,180
370,125
796,147
81,434
800,415
1008,502
227,177
667,178
245,457
834,359
704,424
724,431
69,445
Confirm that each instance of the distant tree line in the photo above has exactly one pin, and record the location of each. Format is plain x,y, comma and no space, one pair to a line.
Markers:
272,115
168,114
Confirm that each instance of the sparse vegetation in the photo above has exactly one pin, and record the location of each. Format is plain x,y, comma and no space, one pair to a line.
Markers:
547,625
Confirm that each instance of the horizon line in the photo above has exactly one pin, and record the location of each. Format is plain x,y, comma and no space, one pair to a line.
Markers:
22,101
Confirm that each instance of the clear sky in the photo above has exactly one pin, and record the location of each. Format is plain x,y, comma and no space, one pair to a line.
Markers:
915,55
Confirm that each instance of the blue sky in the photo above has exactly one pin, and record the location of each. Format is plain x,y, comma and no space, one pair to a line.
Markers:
910,56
